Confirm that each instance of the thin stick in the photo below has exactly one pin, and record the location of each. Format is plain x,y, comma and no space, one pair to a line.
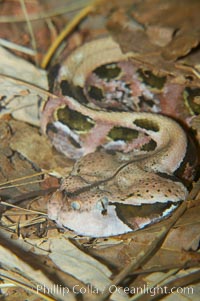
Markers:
17,47
188,68
25,177
33,41
24,83
22,184
69,27
17,226
22,209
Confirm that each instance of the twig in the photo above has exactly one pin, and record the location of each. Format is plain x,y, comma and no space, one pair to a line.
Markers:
189,69
69,27
30,195
33,41
27,211
28,85
17,47
25,177
16,227
21,184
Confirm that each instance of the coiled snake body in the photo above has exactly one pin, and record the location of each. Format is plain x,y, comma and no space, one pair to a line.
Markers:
124,176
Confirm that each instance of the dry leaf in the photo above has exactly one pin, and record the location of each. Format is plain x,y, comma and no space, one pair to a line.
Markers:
19,99
36,148
82,266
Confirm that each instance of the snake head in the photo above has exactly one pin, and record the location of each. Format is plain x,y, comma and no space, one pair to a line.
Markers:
88,214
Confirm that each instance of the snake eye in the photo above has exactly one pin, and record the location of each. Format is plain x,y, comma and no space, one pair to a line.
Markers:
76,205
102,205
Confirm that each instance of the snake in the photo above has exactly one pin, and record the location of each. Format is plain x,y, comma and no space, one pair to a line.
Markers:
129,165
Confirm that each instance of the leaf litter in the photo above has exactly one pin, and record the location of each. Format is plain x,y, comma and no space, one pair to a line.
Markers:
161,255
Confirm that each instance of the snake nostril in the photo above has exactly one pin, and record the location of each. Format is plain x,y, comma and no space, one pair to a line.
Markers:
102,205
104,212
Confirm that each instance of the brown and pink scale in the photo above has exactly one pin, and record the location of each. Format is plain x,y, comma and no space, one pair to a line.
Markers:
133,166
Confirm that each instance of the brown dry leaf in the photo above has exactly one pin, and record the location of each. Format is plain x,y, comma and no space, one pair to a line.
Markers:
13,166
22,100
181,17
26,270
69,258
46,19
36,148
25,152
157,33
30,279
181,45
